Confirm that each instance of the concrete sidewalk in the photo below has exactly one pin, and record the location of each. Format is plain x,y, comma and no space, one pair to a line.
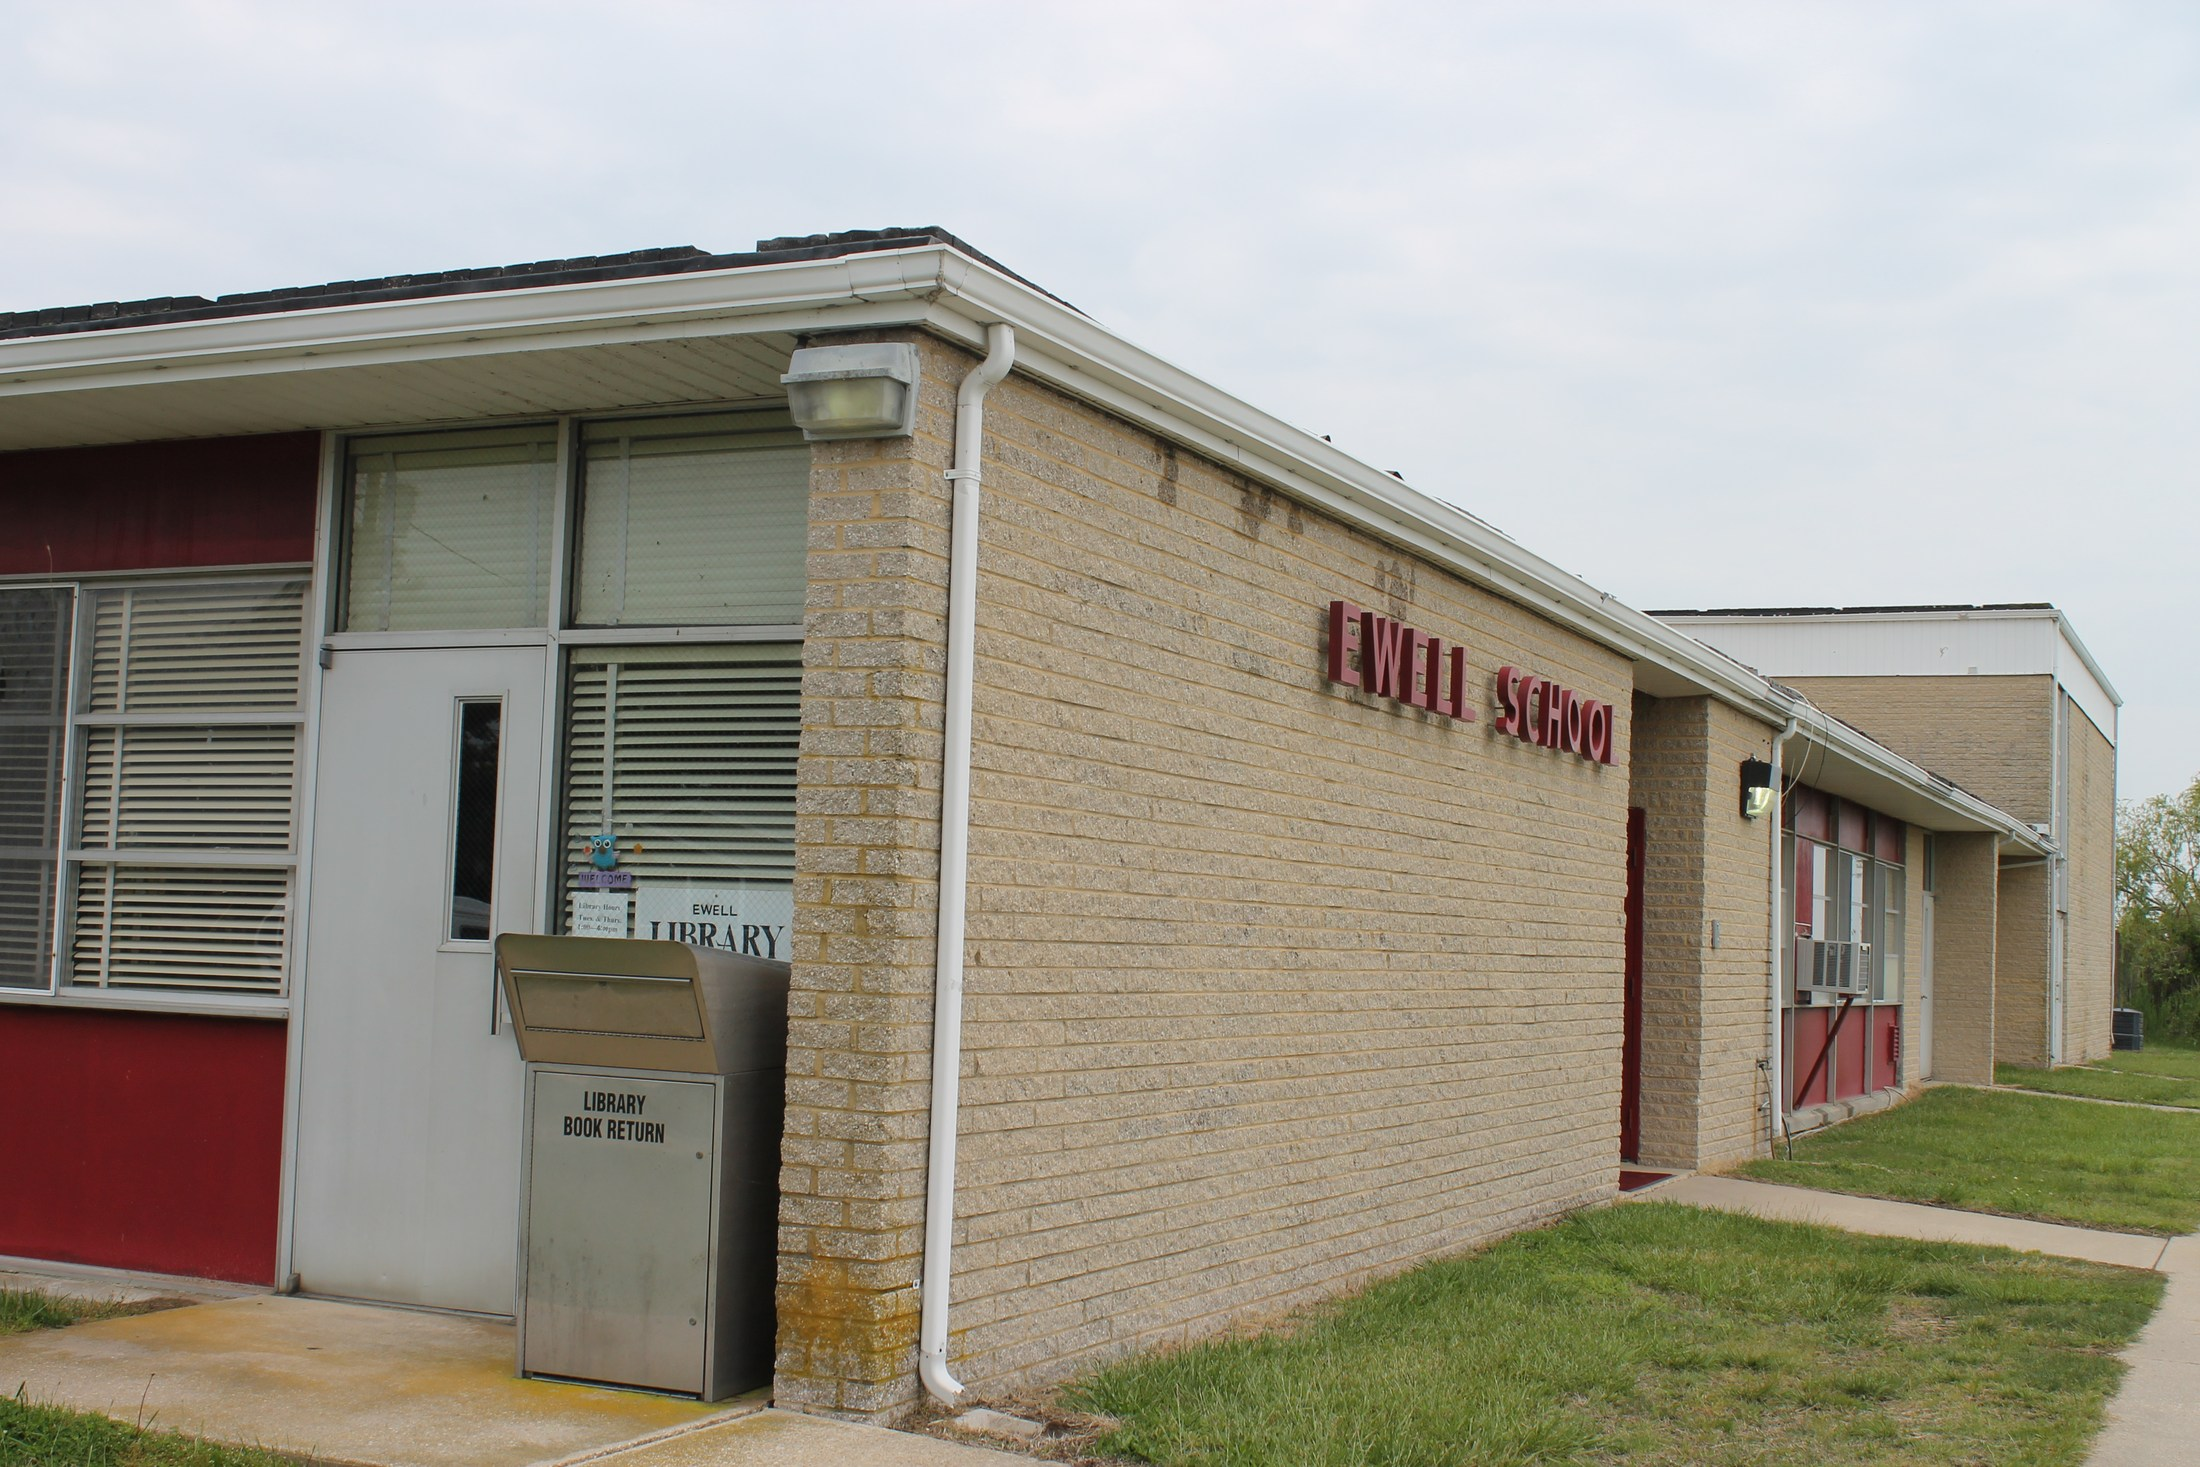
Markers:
2173,1110
1886,1219
335,1382
790,1439
376,1387
2154,1419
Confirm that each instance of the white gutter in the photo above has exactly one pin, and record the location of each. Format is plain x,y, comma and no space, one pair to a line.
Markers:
947,989
1777,947
429,328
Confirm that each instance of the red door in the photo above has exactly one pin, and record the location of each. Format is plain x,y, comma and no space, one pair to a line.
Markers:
1630,1054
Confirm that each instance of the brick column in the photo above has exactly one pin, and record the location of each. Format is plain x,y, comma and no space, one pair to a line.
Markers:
2023,941
1967,871
1704,1007
867,801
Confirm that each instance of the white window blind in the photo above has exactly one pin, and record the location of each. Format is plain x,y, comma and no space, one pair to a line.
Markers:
698,521
34,688
180,927
450,530
185,817
686,755
184,788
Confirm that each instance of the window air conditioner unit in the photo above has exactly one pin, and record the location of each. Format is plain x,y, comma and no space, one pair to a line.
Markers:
1838,968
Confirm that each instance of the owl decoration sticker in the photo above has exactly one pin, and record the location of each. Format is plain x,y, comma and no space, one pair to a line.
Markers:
1386,658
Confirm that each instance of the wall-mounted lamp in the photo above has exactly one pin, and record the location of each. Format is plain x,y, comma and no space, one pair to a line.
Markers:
865,391
1756,788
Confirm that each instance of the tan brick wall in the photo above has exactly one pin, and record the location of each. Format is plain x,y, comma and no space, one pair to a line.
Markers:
1991,735
2089,943
2021,948
1965,1014
1273,989
1737,999
866,861
1913,872
1705,1009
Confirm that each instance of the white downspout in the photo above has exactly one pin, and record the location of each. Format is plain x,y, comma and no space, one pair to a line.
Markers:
947,990
1779,938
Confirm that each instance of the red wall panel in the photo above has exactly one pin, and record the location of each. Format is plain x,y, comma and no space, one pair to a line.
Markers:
1886,1046
1807,1037
1849,825
140,506
142,1141
1849,1049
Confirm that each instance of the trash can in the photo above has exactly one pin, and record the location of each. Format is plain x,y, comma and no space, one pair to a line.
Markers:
649,1185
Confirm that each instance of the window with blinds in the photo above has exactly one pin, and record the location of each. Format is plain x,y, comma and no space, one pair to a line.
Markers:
693,521
184,832
685,758
34,692
449,530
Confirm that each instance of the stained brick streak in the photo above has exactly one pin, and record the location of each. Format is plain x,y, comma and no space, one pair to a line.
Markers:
1273,988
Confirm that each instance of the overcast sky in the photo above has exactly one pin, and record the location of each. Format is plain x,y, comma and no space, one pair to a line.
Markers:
1748,304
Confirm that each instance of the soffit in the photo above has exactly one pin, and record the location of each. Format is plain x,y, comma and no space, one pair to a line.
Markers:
534,379
1825,769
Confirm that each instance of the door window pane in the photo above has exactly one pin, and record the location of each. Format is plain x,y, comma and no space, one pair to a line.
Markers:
450,530
34,690
474,821
697,521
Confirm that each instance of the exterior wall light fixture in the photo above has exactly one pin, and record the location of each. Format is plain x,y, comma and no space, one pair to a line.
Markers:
867,391
1756,788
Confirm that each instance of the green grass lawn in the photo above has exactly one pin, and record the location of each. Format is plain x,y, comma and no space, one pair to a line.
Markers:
1656,1334
25,1309
45,1436
2160,1074
2100,1166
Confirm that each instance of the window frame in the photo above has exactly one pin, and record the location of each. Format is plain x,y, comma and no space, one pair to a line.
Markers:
562,634
449,941
57,892
271,1002
561,863
1835,908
